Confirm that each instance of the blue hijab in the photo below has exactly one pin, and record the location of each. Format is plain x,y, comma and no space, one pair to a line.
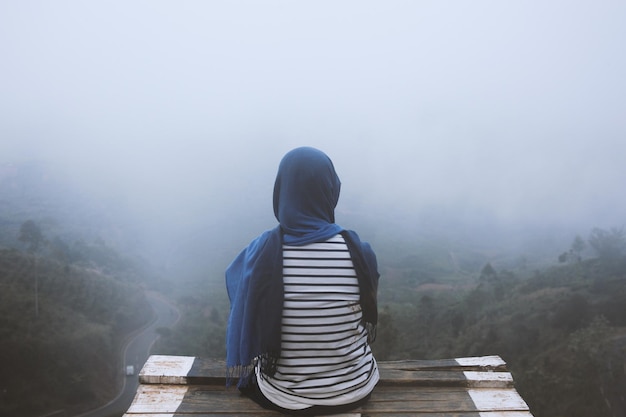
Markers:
306,193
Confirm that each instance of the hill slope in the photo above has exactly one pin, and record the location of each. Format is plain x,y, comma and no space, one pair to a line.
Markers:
61,326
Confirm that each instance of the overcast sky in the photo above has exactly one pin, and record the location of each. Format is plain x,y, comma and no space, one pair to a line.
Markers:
514,106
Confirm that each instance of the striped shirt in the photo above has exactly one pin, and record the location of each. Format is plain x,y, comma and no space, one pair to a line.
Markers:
325,358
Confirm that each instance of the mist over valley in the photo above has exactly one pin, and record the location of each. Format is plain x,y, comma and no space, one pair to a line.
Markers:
480,149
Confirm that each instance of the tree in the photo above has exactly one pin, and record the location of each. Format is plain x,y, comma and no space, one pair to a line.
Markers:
578,246
608,244
488,273
30,233
575,252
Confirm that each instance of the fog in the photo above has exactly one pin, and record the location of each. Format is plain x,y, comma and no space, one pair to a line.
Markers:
179,112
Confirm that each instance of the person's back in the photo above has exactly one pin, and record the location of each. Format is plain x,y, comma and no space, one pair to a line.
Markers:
325,356
303,300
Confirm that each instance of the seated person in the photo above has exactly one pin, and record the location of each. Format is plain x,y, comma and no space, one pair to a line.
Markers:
303,300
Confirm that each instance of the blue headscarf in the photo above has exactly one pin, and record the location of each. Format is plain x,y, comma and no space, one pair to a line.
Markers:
306,193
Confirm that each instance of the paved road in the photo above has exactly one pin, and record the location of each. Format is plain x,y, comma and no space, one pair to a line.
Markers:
136,354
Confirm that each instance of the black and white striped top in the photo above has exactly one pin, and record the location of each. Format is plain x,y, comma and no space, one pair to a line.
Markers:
325,359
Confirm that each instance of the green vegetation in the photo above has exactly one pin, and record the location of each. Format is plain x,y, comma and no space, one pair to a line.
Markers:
201,331
62,324
561,329
68,299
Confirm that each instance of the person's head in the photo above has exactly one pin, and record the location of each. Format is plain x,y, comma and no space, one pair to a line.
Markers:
306,190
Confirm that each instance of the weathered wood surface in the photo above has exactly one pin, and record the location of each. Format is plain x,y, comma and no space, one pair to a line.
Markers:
176,386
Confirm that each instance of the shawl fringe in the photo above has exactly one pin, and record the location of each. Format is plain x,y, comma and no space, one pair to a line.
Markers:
268,363
237,374
371,332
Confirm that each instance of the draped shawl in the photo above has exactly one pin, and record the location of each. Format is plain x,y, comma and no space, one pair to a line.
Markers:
306,192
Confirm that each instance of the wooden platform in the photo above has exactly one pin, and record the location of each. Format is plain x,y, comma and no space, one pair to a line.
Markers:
181,386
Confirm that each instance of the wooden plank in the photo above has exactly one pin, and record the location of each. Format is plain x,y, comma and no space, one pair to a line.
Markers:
468,379
170,399
179,386
506,414
479,379
503,399
435,414
493,362
160,369
197,399
162,399
411,414
265,413
448,399
199,371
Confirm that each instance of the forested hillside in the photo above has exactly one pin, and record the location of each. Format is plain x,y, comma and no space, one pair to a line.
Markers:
562,330
68,299
61,327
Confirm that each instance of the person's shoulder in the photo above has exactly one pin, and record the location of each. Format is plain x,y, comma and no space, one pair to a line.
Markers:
361,248
271,236
353,238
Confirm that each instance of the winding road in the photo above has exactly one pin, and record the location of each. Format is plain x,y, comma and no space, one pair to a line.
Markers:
136,353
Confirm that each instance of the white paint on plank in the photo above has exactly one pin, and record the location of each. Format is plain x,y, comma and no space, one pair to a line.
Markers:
161,399
505,414
161,369
148,415
486,399
481,379
484,361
